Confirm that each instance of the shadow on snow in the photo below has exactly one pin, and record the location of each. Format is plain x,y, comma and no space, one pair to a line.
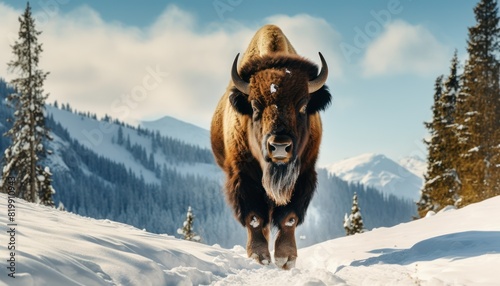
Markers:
452,246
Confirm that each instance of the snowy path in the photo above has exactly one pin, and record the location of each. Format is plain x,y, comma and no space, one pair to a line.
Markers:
457,247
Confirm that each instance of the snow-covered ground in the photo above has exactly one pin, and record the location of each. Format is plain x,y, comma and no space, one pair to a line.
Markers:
380,172
454,247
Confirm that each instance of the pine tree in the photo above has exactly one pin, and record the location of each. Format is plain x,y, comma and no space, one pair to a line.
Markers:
187,231
121,139
28,133
427,197
450,181
442,183
354,222
478,109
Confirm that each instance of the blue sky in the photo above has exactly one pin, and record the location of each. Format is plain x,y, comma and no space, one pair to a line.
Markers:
143,60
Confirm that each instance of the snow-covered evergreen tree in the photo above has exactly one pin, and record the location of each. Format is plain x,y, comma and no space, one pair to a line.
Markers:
353,223
427,201
441,187
187,231
121,140
478,108
450,180
28,133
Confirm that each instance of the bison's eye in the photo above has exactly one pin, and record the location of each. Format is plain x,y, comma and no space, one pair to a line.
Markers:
303,109
257,108
302,106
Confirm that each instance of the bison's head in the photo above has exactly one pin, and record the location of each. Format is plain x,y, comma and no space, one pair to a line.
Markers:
281,94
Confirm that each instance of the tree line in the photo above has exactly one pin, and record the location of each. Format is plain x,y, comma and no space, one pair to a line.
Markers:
464,145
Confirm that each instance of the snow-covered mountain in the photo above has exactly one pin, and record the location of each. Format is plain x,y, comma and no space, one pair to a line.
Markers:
380,172
186,132
99,136
450,248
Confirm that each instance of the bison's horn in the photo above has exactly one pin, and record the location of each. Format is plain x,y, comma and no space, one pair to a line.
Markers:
319,81
239,83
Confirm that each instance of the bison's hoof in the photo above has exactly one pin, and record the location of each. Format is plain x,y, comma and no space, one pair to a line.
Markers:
257,244
285,248
286,263
263,259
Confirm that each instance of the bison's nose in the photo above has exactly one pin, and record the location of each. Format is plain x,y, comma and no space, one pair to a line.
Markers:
279,147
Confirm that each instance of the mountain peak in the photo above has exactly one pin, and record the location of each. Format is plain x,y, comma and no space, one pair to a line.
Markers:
181,130
166,119
369,156
380,172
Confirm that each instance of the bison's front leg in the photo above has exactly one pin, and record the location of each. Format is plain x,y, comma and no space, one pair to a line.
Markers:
285,249
289,216
258,237
251,207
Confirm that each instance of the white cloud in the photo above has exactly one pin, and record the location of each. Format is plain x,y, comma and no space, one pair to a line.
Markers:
310,35
106,67
9,26
404,48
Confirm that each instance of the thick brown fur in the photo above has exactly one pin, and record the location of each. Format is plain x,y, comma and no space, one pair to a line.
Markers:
241,122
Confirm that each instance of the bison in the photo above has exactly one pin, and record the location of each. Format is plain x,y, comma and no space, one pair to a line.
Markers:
265,135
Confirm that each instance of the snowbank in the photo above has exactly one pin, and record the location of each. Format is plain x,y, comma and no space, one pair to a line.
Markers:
459,247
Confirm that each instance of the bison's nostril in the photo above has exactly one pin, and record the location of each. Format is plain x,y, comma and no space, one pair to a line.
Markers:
279,147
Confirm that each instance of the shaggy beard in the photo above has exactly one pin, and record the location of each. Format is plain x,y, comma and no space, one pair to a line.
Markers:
279,181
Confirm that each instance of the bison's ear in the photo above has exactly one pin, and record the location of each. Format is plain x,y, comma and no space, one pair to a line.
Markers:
319,101
240,103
